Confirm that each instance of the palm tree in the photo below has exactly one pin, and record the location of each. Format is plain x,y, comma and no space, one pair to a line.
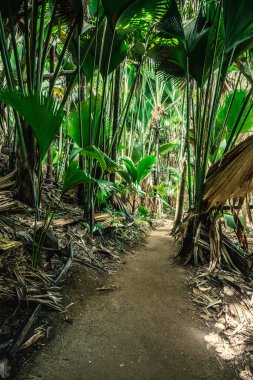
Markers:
199,55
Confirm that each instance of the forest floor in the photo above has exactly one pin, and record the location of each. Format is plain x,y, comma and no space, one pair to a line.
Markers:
138,324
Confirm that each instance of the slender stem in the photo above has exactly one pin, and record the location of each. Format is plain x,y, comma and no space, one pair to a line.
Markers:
48,38
188,100
27,47
40,50
15,49
75,75
34,22
61,58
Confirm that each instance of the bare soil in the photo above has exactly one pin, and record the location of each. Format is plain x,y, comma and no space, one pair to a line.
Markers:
145,329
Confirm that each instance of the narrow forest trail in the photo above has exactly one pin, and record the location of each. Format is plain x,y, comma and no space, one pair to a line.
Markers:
147,329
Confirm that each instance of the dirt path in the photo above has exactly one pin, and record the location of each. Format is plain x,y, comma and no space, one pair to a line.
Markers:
147,329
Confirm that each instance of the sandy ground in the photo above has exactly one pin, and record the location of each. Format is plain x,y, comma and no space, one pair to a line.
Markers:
147,329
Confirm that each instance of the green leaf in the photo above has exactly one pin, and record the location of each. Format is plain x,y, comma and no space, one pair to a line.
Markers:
175,44
43,114
94,152
137,153
132,171
70,11
230,220
140,15
169,147
106,163
125,175
111,166
113,50
114,9
144,168
174,174
142,211
73,126
234,113
74,177
106,186
238,22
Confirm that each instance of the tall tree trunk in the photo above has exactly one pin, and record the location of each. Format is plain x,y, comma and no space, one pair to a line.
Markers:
157,202
115,118
181,198
82,191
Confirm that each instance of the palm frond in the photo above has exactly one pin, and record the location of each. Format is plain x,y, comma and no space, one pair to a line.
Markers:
231,176
72,123
42,113
238,23
74,177
144,168
70,11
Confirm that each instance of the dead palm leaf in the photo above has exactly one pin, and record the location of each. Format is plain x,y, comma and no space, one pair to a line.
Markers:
231,176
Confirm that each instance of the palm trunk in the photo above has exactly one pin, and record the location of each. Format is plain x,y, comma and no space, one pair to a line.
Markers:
181,198
115,118
157,169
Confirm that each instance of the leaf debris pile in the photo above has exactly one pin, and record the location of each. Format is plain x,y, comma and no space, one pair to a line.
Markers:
227,299
18,280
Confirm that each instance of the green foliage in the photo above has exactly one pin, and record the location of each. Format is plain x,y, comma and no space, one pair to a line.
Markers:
70,11
142,211
74,177
106,55
140,14
136,174
178,49
230,221
233,112
144,168
131,169
238,25
88,115
94,152
169,147
136,154
106,163
42,114
174,174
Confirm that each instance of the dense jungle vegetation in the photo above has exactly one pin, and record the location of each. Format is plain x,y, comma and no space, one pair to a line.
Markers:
131,103
115,113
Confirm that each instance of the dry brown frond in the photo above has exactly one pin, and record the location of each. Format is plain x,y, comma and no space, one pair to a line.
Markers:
231,176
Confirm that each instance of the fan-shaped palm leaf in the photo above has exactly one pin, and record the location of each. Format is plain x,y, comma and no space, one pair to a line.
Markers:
238,24
177,49
72,10
113,49
233,111
72,123
43,114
